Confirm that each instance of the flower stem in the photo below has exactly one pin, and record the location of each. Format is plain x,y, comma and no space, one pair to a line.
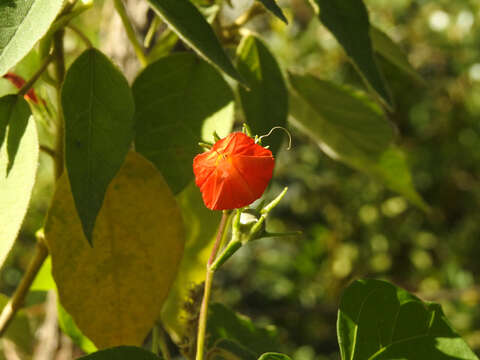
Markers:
202,322
130,32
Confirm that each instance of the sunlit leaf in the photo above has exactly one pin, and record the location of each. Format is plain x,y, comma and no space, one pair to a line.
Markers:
350,128
384,46
69,327
185,19
378,320
265,104
98,109
16,184
22,24
348,21
115,290
44,280
180,101
122,353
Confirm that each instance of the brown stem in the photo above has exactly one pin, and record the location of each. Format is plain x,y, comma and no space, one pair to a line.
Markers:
16,302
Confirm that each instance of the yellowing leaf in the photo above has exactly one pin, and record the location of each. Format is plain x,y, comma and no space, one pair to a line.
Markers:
16,185
202,226
115,289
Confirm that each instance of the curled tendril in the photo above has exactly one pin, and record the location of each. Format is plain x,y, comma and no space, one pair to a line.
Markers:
259,139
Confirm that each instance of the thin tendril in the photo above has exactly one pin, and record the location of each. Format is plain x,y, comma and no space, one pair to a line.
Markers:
281,128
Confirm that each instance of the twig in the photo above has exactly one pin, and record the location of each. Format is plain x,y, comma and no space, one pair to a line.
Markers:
16,302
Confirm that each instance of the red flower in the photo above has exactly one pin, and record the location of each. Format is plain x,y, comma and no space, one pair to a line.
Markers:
233,173
18,82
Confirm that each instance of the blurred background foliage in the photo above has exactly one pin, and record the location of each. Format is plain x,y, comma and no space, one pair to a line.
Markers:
352,225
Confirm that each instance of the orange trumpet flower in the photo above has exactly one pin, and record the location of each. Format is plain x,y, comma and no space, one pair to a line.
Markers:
233,173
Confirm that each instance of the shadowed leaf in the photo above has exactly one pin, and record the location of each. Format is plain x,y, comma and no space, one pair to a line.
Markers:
180,101
275,9
190,25
98,109
348,21
266,103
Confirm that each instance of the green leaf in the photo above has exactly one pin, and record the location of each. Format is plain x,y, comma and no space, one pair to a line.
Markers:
392,168
121,353
115,290
69,327
348,21
266,103
19,331
229,350
22,24
17,183
98,108
378,320
223,323
274,356
180,101
185,19
350,128
275,9
14,114
200,233
345,121
385,47
44,280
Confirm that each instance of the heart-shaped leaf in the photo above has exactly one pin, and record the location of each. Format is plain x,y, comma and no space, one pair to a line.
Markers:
115,290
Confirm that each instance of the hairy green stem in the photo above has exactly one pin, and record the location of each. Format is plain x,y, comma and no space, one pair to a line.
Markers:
130,32
202,321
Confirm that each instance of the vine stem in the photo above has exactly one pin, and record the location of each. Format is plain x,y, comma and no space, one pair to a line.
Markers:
16,302
130,32
202,321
